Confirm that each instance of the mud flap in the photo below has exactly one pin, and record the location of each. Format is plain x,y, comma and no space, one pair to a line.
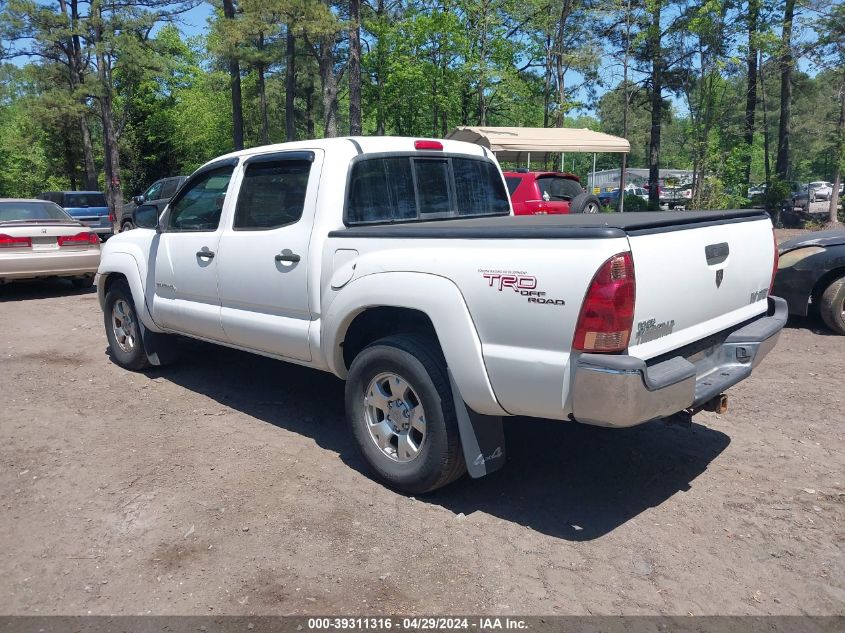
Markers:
482,437
160,348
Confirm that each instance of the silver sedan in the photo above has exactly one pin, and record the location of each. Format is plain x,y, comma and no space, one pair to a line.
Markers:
39,240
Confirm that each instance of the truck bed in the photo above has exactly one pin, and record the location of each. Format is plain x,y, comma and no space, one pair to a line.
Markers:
576,226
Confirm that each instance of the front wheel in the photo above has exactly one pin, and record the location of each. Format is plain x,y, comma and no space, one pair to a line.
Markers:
832,307
123,329
126,226
401,411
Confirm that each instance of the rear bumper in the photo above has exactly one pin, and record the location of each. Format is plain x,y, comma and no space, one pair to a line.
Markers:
622,391
39,266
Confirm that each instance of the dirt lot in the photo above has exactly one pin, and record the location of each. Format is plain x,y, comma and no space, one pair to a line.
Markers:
227,484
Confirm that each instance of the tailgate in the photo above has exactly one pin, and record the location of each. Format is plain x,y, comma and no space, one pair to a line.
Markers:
696,280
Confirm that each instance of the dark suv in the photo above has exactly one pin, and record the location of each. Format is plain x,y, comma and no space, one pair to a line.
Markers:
158,195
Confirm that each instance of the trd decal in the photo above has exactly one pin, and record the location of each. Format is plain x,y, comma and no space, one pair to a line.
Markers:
519,282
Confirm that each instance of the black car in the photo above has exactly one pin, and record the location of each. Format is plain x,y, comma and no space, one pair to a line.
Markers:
158,195
811,273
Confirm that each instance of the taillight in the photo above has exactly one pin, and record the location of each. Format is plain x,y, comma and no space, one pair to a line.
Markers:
80,239
436,145
775,263
607,314
111,216
8,241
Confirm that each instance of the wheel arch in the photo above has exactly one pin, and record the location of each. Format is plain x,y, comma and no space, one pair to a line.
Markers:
379,305
117,266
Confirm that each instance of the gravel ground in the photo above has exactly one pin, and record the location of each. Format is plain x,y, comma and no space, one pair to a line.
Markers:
228,484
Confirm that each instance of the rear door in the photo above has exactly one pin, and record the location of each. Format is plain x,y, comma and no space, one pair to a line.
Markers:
263,269
186,258
694,282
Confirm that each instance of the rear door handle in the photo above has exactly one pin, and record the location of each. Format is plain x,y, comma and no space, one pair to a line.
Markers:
288,257
208,254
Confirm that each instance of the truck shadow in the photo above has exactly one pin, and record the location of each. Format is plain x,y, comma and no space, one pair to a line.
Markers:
563,479
42,289
578,482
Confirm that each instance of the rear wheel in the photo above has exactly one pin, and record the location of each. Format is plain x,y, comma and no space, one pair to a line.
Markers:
832,306
585,203
127,226
402,414
123,329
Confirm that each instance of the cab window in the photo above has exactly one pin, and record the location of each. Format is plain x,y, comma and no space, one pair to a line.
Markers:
272,194
153,192
200,203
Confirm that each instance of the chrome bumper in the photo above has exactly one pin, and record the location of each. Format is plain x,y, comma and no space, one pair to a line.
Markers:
621,391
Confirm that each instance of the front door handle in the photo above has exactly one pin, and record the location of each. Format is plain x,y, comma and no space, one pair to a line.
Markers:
208,254
288,257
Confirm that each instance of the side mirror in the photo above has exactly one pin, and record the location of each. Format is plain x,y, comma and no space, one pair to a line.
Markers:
139,200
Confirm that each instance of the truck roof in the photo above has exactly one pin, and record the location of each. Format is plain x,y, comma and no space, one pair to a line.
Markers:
363,145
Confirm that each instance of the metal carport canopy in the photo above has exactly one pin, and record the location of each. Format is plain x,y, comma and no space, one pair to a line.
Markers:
515,144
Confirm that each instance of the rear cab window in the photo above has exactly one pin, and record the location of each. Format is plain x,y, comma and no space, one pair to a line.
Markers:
411,187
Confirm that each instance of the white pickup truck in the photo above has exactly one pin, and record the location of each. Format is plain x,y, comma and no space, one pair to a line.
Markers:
397,265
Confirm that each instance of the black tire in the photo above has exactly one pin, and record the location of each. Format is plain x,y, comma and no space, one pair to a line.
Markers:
419,362
832,306
127,226
128,356
83,283
585,203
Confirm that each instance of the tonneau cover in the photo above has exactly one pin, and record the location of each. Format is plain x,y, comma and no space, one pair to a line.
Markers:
576,226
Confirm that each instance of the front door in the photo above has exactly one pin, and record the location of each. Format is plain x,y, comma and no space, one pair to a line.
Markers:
186,262
263,274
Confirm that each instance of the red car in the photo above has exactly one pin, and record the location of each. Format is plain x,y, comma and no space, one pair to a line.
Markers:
548,192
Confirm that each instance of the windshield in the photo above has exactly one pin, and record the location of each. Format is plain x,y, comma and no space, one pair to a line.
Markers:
558,188
26,211
73,200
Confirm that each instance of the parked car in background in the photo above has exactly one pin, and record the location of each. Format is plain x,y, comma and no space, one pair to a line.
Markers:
811,276
548,193
39,240
800,196
158,195
757,190
610,198
822,190
89,207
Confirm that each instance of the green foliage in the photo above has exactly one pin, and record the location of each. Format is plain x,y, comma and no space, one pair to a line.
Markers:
633,204
428,66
